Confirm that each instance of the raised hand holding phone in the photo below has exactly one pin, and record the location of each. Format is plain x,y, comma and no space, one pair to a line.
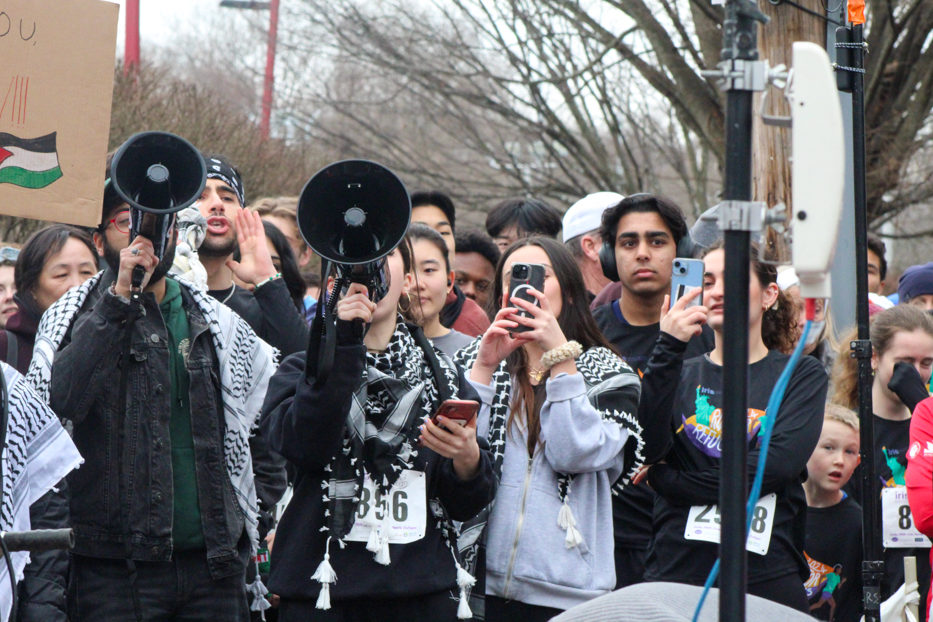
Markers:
453,439
684,319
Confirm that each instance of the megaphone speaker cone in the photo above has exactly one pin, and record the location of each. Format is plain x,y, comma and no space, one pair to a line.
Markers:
158,172
354,212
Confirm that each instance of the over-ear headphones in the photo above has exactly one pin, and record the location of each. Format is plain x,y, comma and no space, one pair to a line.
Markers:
607,255
607,260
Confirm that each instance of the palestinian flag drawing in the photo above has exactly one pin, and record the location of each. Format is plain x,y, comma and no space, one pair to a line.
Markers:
29,162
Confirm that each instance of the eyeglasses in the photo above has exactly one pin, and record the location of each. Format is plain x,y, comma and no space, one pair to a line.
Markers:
122,222
8,253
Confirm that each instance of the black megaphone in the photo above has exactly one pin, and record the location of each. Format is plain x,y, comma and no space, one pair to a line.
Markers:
157,174
353,213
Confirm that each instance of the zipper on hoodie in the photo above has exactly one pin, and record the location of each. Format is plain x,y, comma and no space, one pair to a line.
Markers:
518,528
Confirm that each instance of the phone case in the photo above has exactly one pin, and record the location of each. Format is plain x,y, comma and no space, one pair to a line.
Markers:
458,411
520,282
686,274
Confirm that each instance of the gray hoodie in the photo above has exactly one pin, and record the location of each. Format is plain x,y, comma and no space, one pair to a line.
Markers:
526,554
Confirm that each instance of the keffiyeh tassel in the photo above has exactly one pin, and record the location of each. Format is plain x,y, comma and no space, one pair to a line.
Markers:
382,554
567,522
259,591
325,575
464,581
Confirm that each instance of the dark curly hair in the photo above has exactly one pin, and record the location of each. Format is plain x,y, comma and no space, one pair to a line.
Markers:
779,329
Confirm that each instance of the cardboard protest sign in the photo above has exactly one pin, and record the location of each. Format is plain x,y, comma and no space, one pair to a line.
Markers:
56,87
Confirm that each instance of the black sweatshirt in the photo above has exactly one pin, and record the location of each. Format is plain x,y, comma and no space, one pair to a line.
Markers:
271,313
633,507
306,425
677,431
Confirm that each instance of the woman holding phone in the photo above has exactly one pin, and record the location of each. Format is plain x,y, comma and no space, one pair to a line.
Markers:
559,413
368,534
682,419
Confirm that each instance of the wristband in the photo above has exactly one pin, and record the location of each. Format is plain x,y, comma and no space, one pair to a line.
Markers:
569,350
278,275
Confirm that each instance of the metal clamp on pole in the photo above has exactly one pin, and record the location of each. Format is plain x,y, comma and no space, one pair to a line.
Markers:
740,75
860,349
741,215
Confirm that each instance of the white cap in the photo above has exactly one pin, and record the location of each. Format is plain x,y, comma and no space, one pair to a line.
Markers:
587,214
787,278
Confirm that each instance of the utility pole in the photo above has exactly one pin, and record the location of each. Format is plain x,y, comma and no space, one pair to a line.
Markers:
268,86
131,46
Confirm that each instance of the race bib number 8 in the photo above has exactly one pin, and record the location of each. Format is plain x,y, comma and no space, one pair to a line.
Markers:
405,507
897,523
703,524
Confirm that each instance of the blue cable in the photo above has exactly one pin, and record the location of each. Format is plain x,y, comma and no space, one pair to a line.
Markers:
774,405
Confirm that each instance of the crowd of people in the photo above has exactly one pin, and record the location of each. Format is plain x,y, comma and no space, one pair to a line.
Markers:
226,475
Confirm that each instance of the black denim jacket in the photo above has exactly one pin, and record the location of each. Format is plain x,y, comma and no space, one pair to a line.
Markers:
85,389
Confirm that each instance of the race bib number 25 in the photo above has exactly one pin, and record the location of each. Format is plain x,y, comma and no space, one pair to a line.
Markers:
703,524
405,506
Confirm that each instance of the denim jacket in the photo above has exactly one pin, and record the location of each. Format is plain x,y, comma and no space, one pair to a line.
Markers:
85,388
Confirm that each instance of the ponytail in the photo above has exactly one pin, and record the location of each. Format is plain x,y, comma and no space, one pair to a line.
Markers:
779,330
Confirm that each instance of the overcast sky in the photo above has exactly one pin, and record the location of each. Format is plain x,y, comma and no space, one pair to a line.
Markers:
159,18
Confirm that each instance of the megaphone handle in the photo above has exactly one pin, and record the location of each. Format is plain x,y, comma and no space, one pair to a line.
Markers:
139,273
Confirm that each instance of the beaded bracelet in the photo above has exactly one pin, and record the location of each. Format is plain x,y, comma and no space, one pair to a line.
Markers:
278,275
570,350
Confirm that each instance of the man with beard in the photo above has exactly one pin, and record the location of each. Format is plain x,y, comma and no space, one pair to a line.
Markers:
262,298
163,400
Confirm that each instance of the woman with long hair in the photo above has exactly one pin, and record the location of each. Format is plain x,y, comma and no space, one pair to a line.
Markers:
369,534
433,282
559,412
902,347
682,417
283,259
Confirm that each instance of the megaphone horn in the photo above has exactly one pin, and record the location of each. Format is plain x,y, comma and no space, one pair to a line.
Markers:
354,212
156,174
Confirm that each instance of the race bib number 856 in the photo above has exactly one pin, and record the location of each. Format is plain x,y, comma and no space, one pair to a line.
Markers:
405,507
703,524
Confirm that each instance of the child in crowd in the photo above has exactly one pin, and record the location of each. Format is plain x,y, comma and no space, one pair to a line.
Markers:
834,521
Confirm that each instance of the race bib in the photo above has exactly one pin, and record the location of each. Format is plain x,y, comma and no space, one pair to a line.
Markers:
405,506
703,524
897,524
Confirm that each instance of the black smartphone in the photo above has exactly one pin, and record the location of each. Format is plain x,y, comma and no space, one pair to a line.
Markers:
525,276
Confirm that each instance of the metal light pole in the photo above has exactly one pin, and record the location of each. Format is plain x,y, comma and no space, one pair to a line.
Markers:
743,74
131,46
268,86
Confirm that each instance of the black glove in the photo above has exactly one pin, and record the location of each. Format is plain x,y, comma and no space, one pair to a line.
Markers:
907,385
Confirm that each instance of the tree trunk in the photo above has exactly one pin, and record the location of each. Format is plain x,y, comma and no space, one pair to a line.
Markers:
772,146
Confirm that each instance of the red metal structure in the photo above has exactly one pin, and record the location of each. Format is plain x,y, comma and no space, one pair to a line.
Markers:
131,49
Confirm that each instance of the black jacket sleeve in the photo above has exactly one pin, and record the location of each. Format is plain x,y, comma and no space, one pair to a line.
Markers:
658,389
93,355
42,592
283,327
464,499
796,432
304,423
908,385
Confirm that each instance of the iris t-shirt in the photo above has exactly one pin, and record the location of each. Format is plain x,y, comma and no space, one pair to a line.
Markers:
633,507
691,474
892,439
833,551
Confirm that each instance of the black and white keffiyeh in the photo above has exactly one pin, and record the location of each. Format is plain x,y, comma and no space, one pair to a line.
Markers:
398,391
38,454
246,365
218,169
602,371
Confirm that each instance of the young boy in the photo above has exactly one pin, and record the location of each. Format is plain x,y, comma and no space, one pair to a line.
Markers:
834,521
